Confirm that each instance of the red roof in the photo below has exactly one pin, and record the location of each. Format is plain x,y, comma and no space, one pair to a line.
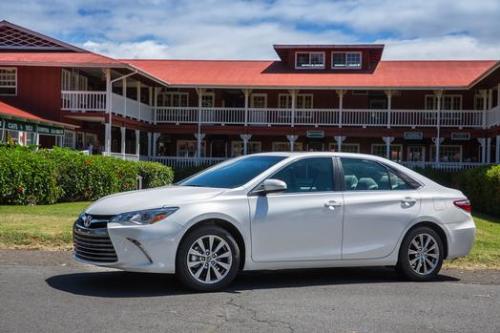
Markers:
13,112
397,74
85,59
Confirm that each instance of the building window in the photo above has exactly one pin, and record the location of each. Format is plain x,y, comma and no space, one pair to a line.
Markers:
447,153
346,60
448,102
395,154
237,148
285,146
416,154
207,100
69,139
346,147
258,101
302,101
173,99
8,81
187,148
478,102
310,60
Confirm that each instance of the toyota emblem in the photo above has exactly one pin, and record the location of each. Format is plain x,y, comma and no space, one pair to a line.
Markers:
87,221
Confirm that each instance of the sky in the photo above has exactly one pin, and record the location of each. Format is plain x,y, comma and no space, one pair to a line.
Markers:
245,29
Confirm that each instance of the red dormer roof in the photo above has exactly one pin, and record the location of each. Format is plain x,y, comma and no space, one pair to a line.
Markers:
274,74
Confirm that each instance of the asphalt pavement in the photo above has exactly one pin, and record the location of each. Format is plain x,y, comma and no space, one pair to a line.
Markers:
48,292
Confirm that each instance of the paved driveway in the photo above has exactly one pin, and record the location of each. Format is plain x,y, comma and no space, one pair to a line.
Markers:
47,292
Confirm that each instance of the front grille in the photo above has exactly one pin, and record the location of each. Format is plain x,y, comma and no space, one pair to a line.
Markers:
93,244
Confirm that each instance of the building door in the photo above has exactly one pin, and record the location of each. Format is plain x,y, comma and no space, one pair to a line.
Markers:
416,154
258,117
315,146
218,148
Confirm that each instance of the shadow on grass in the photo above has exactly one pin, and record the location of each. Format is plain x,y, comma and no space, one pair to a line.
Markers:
118,284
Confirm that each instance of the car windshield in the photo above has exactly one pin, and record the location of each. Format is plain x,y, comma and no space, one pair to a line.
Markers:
233,174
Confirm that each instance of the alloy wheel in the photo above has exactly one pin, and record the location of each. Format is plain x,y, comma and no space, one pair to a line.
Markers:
423,254
209,259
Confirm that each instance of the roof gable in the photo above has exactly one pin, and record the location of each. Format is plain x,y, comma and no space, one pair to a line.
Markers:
16,38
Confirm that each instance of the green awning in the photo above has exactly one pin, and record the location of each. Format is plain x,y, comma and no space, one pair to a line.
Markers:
15,125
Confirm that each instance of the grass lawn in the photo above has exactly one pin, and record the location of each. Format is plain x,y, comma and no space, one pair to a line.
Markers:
39,227
49,227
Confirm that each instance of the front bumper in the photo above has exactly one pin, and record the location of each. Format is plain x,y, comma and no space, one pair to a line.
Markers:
148,248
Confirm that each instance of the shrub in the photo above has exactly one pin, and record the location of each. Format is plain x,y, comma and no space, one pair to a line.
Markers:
27,177
61,174
482,187
155,174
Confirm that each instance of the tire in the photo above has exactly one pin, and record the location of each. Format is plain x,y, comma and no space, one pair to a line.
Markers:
213,270
421,264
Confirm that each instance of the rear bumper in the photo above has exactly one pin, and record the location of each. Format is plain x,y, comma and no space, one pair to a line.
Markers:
460,238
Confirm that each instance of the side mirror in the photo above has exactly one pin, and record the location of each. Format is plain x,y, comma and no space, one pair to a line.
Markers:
270,186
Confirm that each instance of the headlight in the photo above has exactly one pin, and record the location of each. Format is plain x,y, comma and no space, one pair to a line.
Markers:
143,217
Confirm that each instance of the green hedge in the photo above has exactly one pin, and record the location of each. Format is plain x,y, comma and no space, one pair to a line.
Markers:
481,185
48,176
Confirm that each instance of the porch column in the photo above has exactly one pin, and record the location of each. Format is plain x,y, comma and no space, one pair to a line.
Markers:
293,94
488,150
199,138
137,142
339,139
107,139
155,104
124,92
37,139
292,139
107,128
438,141
245,138
490,99
497,149
123,142
246,92
482,145
484,94
149,144
340,93
155,139
388,93
139,98
388,140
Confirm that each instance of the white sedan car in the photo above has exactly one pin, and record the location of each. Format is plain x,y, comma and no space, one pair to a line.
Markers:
280,211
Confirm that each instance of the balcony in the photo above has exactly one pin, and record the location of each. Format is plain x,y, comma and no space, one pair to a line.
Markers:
327,117
95,101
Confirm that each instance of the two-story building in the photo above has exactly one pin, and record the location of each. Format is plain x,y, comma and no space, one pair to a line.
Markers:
186,112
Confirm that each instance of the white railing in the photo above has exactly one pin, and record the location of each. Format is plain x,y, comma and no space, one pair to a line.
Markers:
327,117
83,101
128,157
445,166
131,108
185,162
493,117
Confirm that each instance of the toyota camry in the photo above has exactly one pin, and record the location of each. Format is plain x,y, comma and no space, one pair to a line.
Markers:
280,211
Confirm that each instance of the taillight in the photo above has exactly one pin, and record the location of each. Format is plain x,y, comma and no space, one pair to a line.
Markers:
463,204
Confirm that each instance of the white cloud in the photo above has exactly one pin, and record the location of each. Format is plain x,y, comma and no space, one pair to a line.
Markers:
243,29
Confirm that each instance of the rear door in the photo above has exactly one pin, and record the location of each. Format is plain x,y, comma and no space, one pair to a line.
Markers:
379,203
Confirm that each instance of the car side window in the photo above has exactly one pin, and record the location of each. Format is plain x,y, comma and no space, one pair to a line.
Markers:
307,175
398,183
365,175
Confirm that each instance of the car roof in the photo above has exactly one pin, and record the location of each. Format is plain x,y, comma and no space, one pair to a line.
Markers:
316,153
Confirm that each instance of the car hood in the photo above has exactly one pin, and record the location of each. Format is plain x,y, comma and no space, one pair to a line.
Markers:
151,198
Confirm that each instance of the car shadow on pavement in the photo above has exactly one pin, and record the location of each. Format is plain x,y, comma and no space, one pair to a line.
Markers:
119,284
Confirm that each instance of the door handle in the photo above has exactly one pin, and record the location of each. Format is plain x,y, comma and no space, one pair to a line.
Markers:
408,202
331,204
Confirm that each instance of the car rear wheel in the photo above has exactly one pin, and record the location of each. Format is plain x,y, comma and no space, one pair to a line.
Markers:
421,254
208,259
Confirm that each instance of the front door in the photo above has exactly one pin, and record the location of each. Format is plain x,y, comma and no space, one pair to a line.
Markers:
378,207
302,223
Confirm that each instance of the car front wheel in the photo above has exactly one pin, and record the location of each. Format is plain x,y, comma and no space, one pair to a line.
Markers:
208,259
421,254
